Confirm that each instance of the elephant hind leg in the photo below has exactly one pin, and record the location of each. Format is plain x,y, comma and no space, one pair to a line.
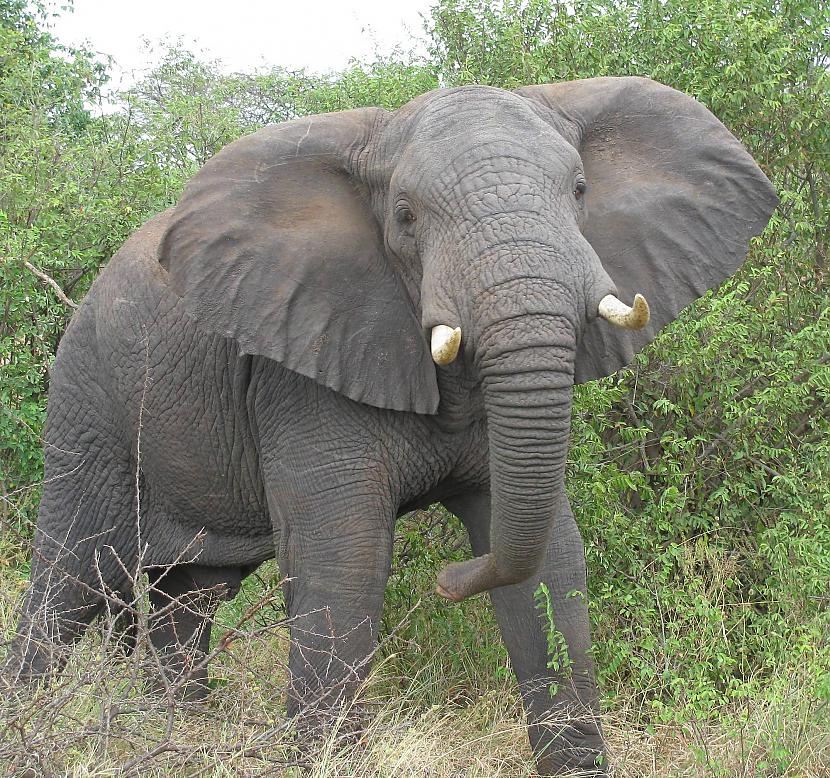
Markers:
54,616
183,602
81,560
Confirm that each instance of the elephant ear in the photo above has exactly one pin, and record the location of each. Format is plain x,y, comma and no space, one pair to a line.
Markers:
673,199
275,245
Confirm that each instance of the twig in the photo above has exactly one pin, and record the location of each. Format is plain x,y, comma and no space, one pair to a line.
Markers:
51,281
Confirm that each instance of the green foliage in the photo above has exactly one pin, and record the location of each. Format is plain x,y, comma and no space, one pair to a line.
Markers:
700,477
559,659
72,187
191,109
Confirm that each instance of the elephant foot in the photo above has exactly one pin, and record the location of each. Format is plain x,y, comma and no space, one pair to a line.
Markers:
575,750
587,764
181,690
339,723
33,660
180,676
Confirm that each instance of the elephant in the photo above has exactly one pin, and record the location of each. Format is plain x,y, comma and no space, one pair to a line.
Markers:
352,315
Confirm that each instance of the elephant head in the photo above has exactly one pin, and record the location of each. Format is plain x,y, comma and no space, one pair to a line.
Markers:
477,229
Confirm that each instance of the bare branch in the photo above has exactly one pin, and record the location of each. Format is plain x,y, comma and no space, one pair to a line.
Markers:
51,282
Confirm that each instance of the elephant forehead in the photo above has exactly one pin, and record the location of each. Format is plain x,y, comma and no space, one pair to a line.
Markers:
456,121
473,107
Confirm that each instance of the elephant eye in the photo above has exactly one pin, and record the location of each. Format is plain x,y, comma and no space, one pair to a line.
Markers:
403,213
579,188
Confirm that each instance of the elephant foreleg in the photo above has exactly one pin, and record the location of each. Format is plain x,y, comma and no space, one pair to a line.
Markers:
336,554
561,702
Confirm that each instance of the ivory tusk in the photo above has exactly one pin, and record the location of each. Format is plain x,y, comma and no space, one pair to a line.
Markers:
614,310
445,343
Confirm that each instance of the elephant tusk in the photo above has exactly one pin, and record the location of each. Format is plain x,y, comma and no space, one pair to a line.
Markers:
614,310
445,343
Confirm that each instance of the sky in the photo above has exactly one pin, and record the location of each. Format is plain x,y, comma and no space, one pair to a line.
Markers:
319,35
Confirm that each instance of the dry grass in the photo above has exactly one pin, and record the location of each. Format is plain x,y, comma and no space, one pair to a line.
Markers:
98,719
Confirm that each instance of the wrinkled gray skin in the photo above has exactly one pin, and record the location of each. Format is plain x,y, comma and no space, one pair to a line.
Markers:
260,355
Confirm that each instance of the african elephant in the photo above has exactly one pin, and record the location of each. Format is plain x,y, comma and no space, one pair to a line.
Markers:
351,315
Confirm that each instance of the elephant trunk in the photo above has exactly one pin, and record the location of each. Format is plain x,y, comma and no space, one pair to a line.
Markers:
528,382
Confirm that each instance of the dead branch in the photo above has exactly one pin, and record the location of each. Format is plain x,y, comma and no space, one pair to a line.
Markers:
47,279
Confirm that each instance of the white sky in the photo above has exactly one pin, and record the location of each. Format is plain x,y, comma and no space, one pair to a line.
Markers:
319,35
